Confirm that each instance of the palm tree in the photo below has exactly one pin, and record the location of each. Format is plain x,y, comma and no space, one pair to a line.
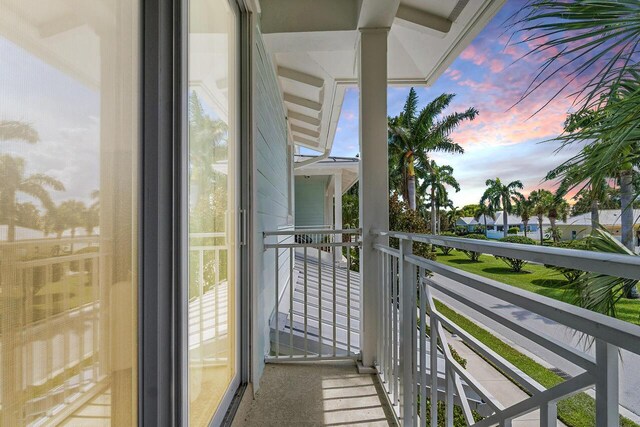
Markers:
72,211
209,146
452,216
524,208
503,195
54,222
438,178
595,39
485,210
412,136
91,213
14,181
540,201
16,130
557,207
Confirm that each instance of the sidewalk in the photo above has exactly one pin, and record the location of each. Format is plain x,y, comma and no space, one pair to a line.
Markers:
497,384
629,366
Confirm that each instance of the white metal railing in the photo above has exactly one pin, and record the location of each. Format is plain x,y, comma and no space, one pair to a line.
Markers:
208,298
408,356
51,337
316,309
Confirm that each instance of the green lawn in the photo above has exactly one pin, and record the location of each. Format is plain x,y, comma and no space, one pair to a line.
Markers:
534,278
576,411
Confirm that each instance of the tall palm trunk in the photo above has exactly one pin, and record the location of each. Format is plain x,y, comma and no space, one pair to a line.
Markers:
433,211
595,214
505,220
540,228
411,182
626,216
486,232
526,225
11,218
554,235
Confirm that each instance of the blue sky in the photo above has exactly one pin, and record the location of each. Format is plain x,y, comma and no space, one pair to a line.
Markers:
504,141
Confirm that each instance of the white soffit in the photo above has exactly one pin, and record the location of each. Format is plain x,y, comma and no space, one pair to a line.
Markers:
425,37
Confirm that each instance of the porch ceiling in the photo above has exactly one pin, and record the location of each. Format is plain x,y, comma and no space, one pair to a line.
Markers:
314,50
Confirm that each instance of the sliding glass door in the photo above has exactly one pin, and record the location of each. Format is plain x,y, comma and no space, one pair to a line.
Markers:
213,333
69,144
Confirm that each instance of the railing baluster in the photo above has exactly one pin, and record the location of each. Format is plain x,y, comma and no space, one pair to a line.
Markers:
394,330
433,358
320,305
380,343
277,314
449,387
549,414
606,384
292,285
305,298
348,302
201,304
388,316
423,351
407,332
334,322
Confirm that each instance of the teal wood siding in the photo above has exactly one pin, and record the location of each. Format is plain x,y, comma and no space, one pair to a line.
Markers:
310,200
271,198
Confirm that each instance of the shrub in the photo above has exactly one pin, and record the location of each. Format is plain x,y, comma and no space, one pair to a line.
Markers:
472,255
461,230
518,239
569,273
403,219
515,264
513,230
446,250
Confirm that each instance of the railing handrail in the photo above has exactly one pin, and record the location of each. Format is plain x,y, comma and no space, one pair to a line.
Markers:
295,232
615,331
53,240
617,265
406,281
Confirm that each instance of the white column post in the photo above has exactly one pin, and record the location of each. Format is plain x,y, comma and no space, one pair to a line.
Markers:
337,194
374,182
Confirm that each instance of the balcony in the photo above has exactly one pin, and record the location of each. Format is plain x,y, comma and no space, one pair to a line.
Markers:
318,312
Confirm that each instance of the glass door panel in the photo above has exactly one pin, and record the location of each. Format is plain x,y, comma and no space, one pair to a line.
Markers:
69,143
213,175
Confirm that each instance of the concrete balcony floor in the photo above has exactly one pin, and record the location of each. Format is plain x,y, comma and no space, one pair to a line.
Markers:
320,394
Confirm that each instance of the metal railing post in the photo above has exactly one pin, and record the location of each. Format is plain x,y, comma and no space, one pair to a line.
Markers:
407,333
549,414
606,384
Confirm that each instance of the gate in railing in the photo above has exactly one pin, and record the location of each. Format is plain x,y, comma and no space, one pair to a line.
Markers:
408,356
316,313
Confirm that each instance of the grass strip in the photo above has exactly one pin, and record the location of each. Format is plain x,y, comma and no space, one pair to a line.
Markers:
575,411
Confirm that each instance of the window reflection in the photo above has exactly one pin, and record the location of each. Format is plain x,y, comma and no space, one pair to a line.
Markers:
68,207
212,211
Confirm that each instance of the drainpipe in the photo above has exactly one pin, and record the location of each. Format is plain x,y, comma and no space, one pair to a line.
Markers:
298,165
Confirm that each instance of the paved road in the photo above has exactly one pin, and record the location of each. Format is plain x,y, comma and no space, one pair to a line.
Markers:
629,366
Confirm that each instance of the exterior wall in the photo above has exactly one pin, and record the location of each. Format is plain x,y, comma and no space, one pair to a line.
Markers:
271,196
310,200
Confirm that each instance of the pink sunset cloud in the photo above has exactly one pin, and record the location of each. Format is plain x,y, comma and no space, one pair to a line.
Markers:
471,53
453,74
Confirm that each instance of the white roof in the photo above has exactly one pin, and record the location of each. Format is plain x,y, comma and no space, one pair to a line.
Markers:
347,167
607,217
466,220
